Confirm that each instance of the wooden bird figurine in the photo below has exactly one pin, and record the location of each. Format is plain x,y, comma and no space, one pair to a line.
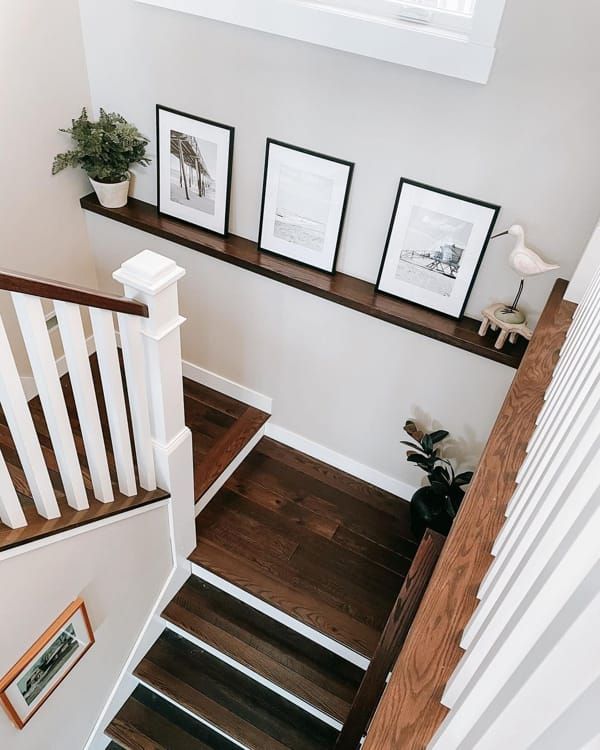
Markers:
524,261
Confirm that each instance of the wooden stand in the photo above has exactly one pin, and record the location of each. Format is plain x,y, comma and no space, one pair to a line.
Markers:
510,331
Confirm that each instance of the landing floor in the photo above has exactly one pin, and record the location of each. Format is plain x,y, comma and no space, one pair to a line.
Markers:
324,547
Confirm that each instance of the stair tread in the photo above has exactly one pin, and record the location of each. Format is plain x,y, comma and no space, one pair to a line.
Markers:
243,709
148,722
270,649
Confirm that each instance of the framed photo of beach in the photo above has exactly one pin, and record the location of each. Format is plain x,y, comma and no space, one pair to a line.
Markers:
26,687
434,247
194,160
304,201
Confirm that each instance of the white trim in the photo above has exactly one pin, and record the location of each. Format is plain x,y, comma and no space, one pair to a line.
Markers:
469,57
232,466
339,461
28,381
276,614
36,544
228,387
189,712
308,707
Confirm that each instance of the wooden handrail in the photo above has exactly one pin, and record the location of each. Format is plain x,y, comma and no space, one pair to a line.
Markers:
393,636
410,711
12,281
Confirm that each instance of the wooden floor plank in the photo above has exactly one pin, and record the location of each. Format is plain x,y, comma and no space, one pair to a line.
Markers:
270,649
148,722
246,711
350,555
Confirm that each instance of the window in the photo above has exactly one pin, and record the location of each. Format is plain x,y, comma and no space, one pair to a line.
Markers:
453,37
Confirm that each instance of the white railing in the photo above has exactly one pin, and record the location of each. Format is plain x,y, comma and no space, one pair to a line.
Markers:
530,675
148,327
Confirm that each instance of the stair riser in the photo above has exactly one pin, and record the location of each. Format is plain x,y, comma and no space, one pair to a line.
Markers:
254,676
279,616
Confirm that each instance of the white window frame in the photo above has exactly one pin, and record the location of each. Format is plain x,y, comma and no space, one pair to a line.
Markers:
467,56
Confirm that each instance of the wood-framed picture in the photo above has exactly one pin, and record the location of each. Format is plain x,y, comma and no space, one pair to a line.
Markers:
434,247
194,159
38,673
304,201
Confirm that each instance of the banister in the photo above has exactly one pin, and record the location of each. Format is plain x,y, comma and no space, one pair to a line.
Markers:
392,638
411,709
12,281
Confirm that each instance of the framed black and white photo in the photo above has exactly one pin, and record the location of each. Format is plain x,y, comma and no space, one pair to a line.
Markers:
303,204
194,158
434,247
37,674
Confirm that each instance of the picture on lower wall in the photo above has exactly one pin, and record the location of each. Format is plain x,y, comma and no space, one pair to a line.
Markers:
303,204
434,247
194,158
40,671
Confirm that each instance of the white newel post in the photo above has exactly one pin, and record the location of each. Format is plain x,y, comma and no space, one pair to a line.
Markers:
152,279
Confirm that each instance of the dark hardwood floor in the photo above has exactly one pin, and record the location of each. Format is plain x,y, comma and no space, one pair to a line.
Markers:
324,547
250,713
221,427
268,648
148,722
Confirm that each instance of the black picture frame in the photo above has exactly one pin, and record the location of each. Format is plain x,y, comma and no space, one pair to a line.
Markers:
223,228
330,269
495,210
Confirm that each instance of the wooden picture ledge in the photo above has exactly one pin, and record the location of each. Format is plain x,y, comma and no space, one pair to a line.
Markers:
339,288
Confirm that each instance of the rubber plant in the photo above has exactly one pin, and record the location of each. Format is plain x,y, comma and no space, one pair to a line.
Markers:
434,506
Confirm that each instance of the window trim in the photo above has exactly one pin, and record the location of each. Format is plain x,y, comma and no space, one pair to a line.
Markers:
416,45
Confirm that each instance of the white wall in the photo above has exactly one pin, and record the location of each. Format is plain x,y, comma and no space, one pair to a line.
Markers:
589,263
42,86
119,571
527,140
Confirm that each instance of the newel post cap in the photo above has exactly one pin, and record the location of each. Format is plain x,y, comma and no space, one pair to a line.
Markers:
149,272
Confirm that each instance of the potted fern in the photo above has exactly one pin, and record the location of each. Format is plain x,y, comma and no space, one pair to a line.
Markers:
435,505
105,150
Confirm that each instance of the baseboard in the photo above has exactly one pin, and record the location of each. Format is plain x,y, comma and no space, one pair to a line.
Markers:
228,387
28,381
344,463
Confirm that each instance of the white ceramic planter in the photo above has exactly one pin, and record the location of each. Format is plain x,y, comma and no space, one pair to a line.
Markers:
111,195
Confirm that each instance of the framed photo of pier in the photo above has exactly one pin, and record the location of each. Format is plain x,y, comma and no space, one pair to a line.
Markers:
194,158
40,671
303,204
434,247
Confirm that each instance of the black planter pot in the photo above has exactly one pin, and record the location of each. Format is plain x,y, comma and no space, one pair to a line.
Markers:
431,510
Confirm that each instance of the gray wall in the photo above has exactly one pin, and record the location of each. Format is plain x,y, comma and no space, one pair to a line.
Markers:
528,140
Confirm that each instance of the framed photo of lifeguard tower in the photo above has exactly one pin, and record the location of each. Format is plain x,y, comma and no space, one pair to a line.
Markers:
434,247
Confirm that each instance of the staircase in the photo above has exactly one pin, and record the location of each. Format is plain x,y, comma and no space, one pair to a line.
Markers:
295,573
303,580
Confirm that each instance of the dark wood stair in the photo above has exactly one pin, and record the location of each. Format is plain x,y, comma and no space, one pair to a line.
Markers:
268,648
246,711
320,545
148,722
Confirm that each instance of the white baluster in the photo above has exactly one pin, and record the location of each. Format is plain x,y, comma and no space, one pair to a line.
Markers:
135,374
20,423
80,374
11,513
152,279
112,385
41,357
